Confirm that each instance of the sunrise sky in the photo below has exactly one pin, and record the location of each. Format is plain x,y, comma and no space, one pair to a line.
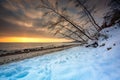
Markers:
29,39
20,21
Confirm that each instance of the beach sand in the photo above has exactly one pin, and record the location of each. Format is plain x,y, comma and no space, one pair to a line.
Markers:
7,58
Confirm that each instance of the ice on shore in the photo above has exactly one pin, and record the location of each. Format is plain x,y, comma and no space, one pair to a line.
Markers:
78,63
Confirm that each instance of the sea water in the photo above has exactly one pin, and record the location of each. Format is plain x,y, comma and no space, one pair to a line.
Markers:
8,47
14,46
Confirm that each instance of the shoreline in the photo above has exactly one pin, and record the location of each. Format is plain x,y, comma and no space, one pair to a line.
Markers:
8,58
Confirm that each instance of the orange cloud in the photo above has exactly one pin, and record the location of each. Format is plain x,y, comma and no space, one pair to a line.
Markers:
19,22
29,39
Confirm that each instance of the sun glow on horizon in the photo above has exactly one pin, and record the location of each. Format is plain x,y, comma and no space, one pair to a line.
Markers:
28,39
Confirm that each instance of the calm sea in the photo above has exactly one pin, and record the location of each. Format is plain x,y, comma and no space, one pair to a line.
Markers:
18,46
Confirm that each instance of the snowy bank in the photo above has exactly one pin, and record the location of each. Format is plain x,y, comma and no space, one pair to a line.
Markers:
78,63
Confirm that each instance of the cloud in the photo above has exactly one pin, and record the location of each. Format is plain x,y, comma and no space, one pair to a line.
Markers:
20,18
19,22
33,14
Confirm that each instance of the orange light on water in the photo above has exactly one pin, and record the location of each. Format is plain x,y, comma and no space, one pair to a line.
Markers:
28,39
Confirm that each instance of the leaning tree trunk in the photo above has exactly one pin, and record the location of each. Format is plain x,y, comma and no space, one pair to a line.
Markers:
89,16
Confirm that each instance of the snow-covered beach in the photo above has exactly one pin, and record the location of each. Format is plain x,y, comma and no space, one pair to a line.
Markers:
59,39
7,56
78,63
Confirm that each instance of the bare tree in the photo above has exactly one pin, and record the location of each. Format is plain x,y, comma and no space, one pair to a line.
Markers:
88,13
53,7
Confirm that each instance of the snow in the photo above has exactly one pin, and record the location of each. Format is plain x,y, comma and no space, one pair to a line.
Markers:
78,63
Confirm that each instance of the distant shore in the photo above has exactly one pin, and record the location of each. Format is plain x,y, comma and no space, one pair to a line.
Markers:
32,52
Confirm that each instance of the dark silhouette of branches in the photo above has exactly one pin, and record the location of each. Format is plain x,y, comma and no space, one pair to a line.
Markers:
74,32
46,4
91,18
68,36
